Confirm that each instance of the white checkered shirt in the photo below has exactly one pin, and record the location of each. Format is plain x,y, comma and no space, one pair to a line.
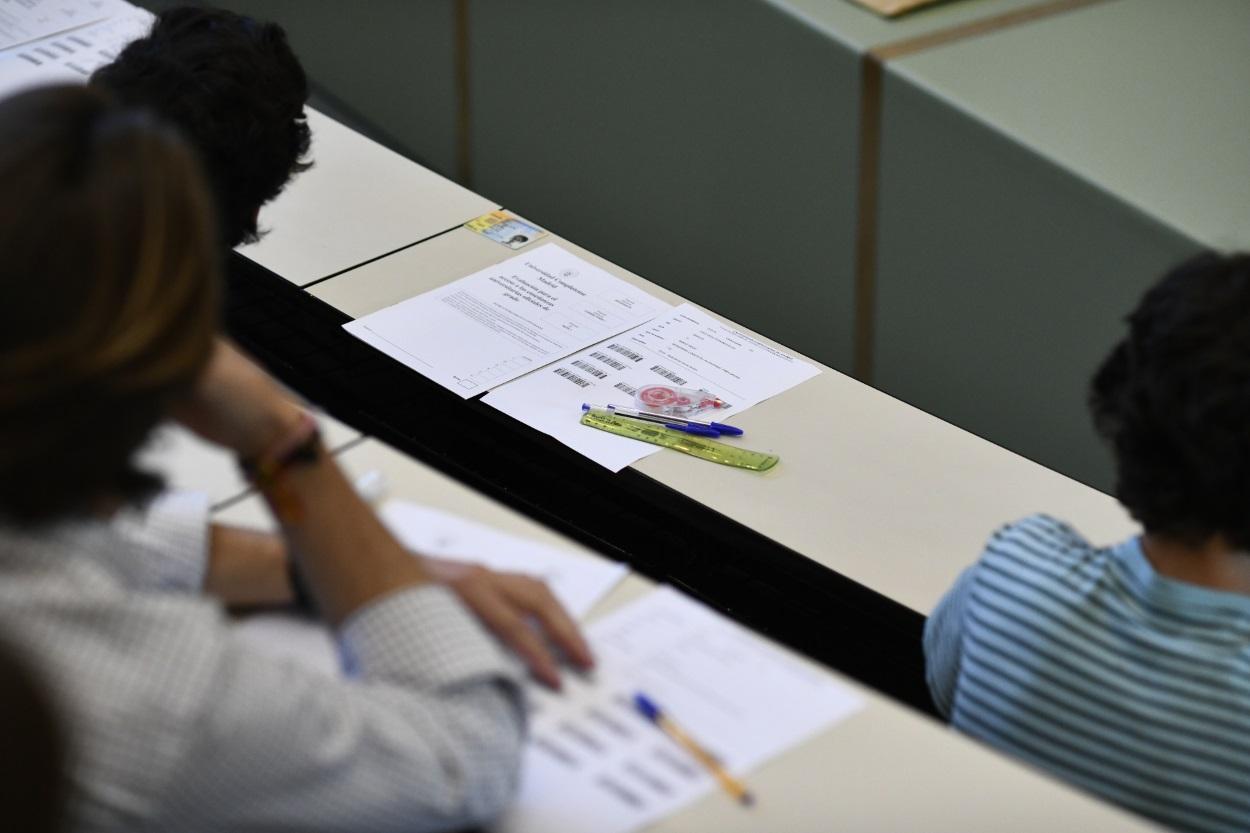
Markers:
177,726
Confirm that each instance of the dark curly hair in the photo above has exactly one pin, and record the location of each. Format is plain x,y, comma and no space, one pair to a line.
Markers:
237,92
1173,401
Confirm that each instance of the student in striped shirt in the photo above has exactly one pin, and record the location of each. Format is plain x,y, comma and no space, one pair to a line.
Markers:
1126,669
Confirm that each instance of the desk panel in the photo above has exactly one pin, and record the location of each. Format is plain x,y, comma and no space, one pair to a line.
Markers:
883,769
358,201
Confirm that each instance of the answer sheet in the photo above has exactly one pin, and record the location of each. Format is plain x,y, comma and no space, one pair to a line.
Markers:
685,347
593,764
506,320
23,21
71,57
578,582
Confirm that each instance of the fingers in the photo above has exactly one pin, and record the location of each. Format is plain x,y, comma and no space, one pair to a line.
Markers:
482,592
538,601
510,605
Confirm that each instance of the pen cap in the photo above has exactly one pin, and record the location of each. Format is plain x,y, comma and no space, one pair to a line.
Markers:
647,708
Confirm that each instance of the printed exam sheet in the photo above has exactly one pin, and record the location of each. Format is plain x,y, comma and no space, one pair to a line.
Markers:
506,320
593,764
684,347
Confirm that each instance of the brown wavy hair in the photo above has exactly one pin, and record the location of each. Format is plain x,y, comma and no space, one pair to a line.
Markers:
108,297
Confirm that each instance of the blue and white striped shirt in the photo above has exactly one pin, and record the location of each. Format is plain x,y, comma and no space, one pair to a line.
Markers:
1084,661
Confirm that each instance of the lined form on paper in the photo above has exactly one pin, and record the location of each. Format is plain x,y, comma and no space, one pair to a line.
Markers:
23,21
592,763
684,346
71,57
499,323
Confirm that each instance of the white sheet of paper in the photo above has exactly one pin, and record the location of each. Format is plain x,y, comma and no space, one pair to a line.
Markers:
593,764
685,343
71,57
577,582
506,320
23,21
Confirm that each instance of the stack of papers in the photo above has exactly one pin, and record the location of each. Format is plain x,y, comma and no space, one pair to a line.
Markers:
545,332
593,764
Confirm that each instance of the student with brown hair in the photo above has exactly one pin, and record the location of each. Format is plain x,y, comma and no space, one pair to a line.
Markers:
108,305
235,89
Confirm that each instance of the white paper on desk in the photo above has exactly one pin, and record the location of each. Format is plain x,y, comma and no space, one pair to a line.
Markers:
23,21
506,320
71,57
686,343
593,764
578,582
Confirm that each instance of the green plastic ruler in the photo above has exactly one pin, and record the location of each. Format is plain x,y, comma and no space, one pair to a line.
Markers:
704,449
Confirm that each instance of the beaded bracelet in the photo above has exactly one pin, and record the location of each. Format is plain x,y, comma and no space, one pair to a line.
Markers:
302,444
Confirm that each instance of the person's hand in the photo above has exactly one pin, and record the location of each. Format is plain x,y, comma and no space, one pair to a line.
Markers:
236,404
521,611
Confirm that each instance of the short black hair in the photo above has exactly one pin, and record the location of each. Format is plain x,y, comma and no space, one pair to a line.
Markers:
237,92
1173,401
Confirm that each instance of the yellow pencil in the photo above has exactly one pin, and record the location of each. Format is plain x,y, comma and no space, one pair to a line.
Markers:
647,707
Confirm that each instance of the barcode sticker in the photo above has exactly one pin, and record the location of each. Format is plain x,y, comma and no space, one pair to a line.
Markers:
590,368
632,391
668,374
608,360
625,351
572,377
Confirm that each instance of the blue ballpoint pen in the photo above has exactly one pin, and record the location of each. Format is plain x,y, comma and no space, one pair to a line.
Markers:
689,426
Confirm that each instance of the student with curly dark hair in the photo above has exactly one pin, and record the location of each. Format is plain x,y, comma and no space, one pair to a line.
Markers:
1126,669
237,92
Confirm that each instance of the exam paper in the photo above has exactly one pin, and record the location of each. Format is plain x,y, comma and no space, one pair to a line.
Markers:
506,320
23,21
72,56
685,347
578,582
593,764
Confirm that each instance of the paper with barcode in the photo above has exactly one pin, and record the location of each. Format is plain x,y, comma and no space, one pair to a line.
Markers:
70,56
503,321
24,21
685,347
592,764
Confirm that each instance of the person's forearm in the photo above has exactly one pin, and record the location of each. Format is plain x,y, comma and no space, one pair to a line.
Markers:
247,568
347,557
